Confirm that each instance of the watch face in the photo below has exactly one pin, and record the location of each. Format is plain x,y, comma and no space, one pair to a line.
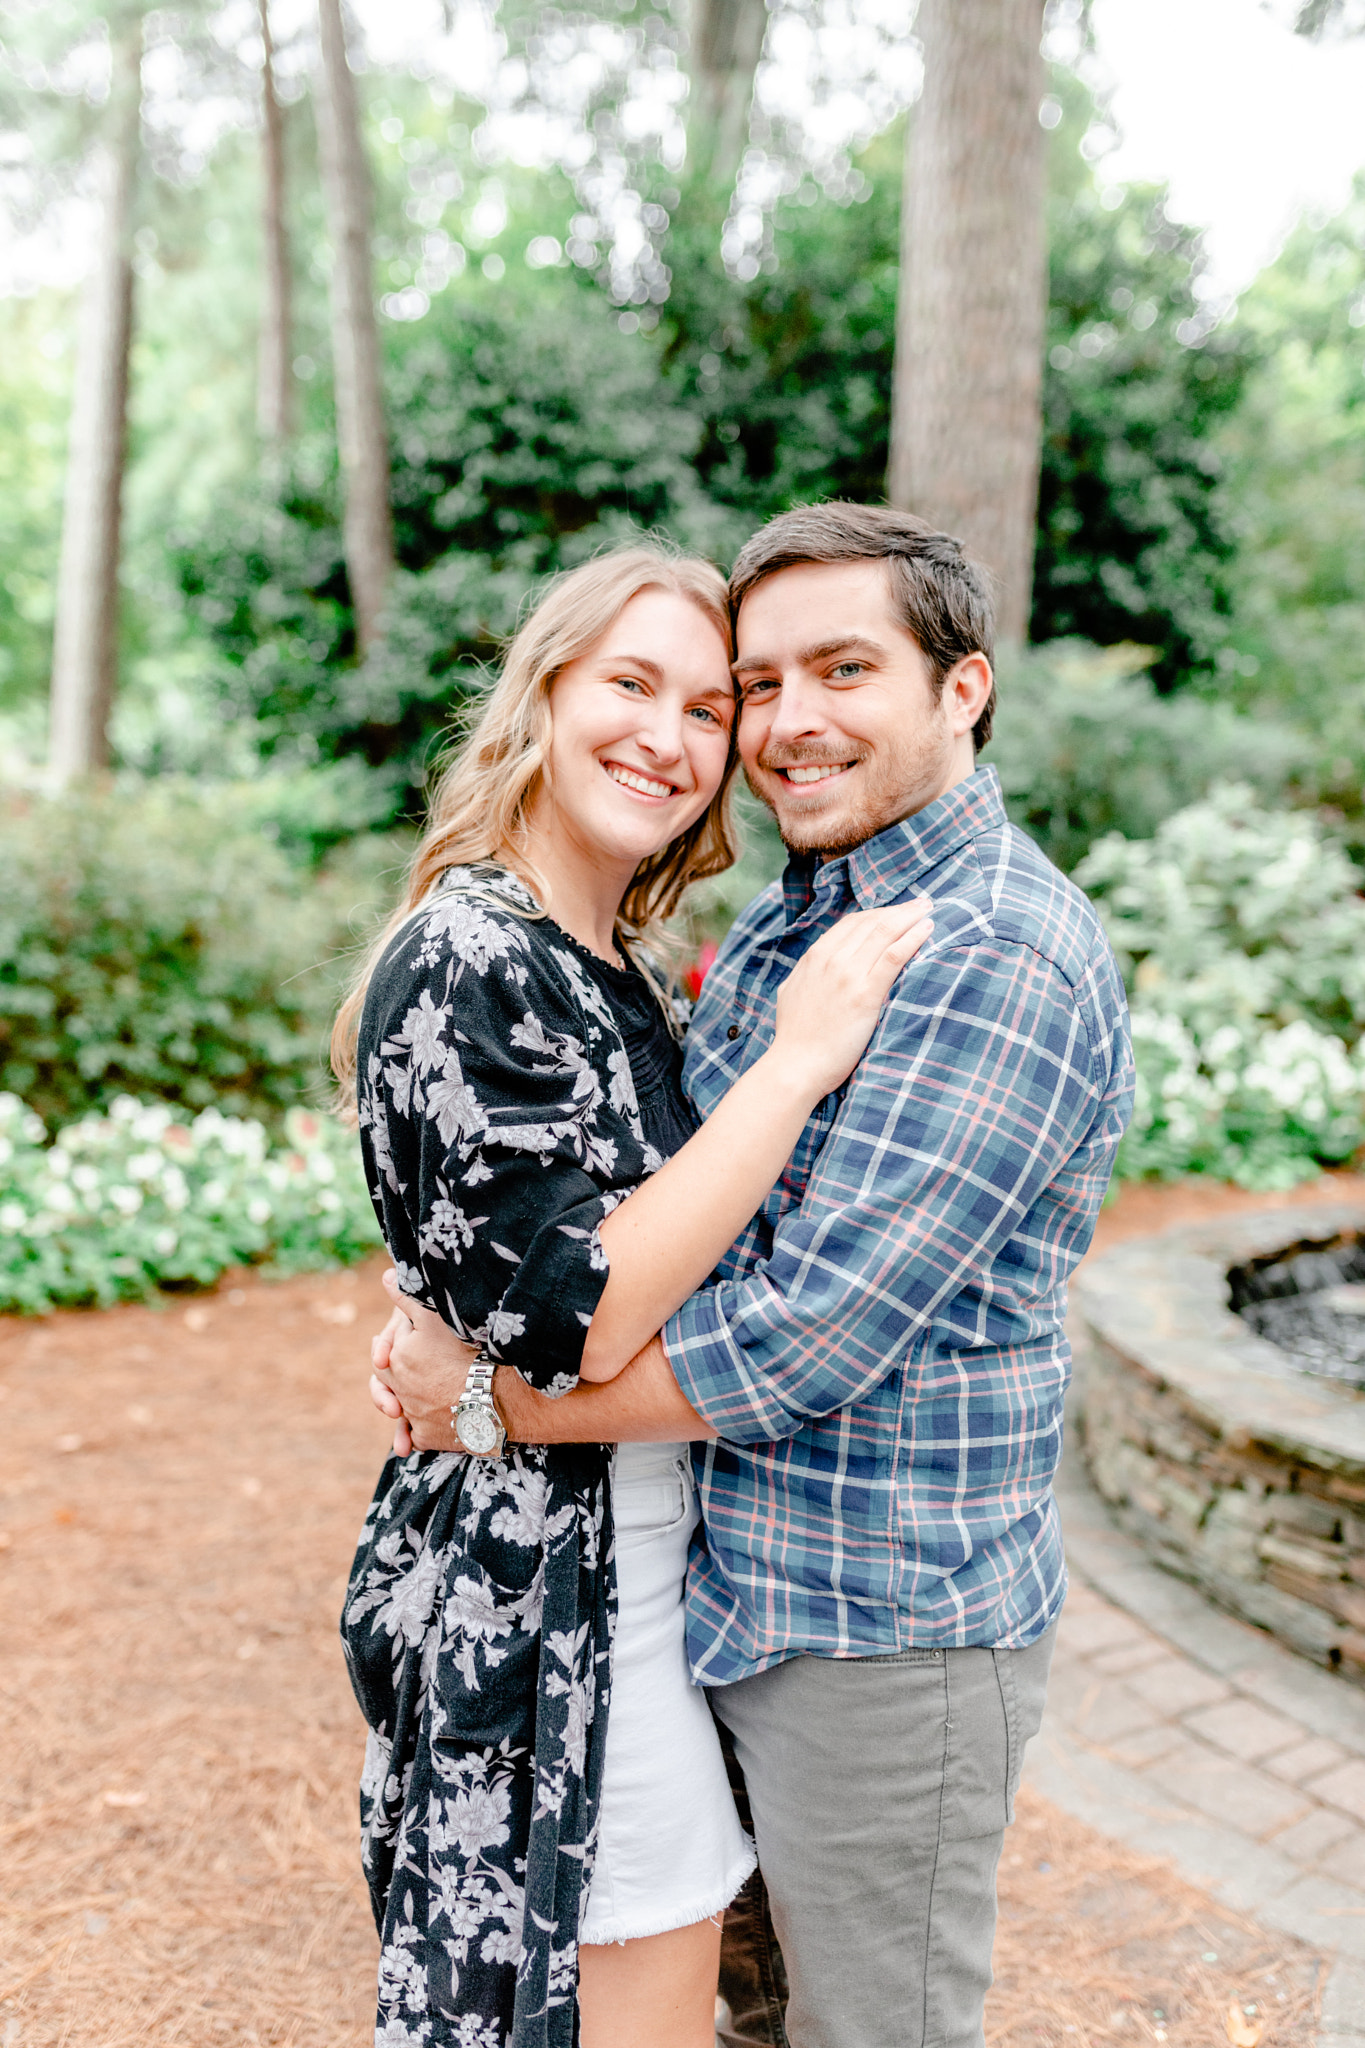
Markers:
477,1429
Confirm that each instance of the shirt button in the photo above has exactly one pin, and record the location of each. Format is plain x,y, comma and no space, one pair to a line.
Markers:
733,1033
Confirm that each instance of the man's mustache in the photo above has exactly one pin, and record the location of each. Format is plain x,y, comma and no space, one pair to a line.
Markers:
810,754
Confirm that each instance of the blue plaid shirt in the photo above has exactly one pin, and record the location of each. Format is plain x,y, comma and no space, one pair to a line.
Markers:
883,1350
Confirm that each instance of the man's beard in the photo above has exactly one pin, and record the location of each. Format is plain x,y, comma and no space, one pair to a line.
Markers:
829,837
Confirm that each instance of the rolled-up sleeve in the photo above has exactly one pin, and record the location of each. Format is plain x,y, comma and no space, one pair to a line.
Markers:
978,1087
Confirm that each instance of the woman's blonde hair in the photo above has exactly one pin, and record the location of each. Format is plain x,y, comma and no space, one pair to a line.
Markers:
479,805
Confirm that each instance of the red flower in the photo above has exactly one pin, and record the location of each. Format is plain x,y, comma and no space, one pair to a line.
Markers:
695,975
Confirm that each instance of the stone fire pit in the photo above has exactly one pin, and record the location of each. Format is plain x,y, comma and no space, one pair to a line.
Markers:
1239,1462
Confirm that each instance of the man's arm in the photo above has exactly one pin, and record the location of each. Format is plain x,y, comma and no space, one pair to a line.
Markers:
979,1094
643,1405
421,1364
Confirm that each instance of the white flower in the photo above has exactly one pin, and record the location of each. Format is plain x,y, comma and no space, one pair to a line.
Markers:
411,1597
126,1200
258,1210
471,1611
476,1820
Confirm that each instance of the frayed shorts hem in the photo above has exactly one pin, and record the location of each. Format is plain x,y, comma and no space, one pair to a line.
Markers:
616,1932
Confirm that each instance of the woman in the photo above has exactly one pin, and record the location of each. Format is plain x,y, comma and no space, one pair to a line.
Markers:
517,1079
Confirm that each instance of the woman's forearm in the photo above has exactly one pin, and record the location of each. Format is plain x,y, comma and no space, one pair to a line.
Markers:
663,1242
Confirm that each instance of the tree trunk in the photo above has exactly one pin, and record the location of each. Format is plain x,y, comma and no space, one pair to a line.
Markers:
85,635
274,390
361,432
966,421
727,42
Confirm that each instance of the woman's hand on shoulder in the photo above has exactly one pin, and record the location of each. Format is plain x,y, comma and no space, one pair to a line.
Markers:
829,1004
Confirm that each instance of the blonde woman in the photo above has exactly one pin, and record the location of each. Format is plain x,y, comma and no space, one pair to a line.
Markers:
548,1832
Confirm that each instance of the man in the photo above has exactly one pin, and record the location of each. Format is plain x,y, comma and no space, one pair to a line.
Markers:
881,1357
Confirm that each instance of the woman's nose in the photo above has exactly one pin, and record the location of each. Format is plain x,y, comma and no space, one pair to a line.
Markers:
662,733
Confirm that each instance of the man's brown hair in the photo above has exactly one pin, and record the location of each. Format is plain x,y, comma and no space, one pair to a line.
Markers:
943,598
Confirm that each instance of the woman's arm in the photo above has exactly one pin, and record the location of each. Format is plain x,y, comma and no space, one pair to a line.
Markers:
664,1241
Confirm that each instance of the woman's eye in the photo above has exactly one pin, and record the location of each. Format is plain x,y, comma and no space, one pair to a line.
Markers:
628,683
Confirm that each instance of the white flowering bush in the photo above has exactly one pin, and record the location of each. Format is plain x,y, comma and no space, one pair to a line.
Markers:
1241,935
137,1199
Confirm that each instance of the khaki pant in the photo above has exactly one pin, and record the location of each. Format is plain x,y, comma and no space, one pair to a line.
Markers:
878,1790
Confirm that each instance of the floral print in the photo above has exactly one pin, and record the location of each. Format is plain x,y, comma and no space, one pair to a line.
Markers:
499,1125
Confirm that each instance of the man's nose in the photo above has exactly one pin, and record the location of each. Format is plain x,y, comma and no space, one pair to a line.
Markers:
799,713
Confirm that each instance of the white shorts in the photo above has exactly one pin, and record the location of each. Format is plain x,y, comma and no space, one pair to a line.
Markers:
670,1849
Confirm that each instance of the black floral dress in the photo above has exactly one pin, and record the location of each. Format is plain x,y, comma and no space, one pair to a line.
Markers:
500,1123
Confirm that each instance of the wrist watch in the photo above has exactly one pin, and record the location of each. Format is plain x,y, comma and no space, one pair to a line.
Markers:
474,1418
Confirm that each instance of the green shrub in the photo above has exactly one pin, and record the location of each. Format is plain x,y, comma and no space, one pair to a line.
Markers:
1242,943
1085,746
126,1203
157,942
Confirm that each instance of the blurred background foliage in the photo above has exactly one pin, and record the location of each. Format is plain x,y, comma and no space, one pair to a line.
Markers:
1198,612
1201,499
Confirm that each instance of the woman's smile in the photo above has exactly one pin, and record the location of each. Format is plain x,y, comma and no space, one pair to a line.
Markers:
640,782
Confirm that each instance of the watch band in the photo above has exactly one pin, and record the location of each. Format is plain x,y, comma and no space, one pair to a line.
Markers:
478,1384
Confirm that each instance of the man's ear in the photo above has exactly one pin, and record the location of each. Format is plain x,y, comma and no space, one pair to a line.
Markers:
966,687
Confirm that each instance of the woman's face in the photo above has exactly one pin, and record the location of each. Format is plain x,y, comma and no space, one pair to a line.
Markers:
640,730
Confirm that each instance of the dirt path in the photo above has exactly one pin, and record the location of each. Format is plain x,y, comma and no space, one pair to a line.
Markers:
180,1489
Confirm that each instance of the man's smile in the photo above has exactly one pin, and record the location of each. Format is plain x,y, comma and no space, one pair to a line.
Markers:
815,771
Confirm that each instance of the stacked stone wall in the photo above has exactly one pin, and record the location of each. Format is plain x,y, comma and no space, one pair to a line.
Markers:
1231,1469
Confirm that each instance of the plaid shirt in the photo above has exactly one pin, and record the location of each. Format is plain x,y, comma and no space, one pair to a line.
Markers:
883,1350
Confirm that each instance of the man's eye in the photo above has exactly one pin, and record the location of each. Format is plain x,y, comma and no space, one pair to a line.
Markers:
756,689
846,670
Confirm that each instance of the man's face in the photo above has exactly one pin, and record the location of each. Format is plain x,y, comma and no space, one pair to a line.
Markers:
840,730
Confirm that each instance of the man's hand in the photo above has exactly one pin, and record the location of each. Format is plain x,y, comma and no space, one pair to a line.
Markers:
383,1396
420,1367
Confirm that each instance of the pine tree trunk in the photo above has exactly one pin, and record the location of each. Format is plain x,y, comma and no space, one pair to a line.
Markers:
967,395
726,44
85,635
274,390
361,432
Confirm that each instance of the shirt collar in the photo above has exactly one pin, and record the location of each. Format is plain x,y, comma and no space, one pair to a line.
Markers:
887,865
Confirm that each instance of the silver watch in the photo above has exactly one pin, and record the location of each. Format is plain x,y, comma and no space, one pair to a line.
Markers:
474,1418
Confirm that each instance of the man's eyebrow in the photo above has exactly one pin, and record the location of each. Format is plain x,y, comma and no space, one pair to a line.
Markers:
819,650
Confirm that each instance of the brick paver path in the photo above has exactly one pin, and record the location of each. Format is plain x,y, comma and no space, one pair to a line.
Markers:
1192,1736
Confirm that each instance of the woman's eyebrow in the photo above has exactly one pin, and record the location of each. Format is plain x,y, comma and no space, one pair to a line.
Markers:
642,661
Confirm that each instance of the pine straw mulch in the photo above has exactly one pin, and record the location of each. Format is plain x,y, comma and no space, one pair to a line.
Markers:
1096,1943
180,1489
